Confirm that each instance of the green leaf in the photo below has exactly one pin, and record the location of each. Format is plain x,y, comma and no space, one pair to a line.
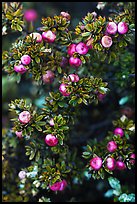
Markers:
37,59
109,193
38,127
19,28
59,69
32,155
64,128
86,34
114,183
38,118
62,104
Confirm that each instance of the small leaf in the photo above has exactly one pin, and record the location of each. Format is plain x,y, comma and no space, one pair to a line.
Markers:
109,193
114,183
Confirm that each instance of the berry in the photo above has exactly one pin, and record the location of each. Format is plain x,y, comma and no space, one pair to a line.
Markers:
64,62
22,174
96,163
132,158
71,49
101,96
122,28
18,134
24,117
81,48
111,28
75,62
110,163
58,186
65,15
111,146
119,131
30,15
26,59
48,77
49,36
120,165
73,77
20,68
63,90
37,36
51,140
51,122
106,41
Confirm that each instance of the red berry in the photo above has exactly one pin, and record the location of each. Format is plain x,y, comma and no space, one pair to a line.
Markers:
111,28
96,163
58,186
111,146
122,28
65,15
22,174
132,158
75,62
26,59
106,41
119,131
24,117
49,36
63,90
120,165
30,15
71,49
51,140
48,77
110,163
20,68
51,122
18,134
36,36
73,77
81,48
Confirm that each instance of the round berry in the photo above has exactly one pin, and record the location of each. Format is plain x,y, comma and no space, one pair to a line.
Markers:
20,68
81,48
106,41
22,174
119,131
111,28
24,117
49,36
48,78
63,90
110,163
101,96
66,15
51,140
122,28
120,165
36,36
51,122
26,59
71,49
63,185
30,15
132,158
75,62
111,146
73,77
96,163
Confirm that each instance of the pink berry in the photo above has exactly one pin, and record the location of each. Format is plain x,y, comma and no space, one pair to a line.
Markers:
22,174
111,28
120,165
75,62
26,59
65,15
106,41
81,48
73,77
24,117
37,36
18,134
49,36
58,186
30,15
20,68
63,90
51,122
111,146
122,28
71,49
110,163
119,131
48,77
96,163
132,158
51,140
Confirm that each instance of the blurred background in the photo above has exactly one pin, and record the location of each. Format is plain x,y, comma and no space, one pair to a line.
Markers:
89,191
